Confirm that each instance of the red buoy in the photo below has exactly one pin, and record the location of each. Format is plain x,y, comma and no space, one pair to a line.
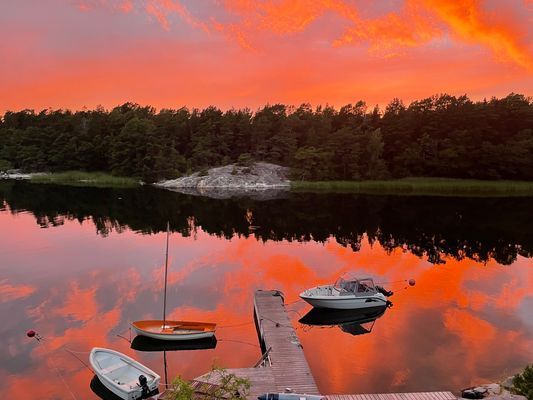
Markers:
411,282
31,333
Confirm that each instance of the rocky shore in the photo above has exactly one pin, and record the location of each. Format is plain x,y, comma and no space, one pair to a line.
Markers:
17,174
259,180
493,391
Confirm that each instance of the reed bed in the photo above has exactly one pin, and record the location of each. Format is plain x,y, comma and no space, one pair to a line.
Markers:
80,178
421,186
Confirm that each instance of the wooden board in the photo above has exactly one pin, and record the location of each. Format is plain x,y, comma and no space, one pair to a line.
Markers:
394,396
288,363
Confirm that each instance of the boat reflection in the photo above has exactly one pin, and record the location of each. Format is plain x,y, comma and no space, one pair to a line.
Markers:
354,322
144,343
101,391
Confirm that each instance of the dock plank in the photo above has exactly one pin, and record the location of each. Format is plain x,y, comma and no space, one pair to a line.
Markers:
288,363
391,396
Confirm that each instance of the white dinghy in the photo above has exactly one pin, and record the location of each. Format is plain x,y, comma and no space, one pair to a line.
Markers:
122,375
347,294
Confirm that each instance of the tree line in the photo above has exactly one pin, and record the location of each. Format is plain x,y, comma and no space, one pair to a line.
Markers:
440,136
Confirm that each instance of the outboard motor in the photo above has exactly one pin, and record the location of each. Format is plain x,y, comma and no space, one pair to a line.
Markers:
143,383
383,291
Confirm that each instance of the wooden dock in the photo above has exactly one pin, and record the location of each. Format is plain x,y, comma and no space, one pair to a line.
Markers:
394,396
283,365
277,335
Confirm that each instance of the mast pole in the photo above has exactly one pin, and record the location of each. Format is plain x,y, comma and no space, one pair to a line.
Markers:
166,270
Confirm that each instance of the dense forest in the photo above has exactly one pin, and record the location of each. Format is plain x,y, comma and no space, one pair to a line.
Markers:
441,136
430,227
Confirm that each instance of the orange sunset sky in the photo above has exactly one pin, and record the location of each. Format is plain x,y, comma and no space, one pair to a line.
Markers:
246,53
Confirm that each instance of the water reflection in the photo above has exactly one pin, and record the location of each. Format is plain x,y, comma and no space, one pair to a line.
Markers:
101,391
475,228
143,343
79,289
353,322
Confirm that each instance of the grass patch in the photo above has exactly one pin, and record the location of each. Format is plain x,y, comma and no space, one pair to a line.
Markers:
421,186
80,178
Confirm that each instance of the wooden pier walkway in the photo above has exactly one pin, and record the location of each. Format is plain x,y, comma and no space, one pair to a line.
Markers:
278,337
283,365
394,396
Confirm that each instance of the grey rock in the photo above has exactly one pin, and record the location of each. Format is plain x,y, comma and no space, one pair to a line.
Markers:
506,396
493,388
261,180
508,382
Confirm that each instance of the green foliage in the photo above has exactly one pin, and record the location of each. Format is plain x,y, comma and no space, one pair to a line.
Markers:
80,178
523,383
311,163
421,186
5,165
230,386
181,390
440,136
245,160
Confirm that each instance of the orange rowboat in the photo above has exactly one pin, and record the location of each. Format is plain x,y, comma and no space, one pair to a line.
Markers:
174,330
164,329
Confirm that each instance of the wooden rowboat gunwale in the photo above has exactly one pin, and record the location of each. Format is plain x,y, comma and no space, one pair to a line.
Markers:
174,330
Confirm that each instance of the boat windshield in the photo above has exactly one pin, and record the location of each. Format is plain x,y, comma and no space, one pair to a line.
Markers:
355,285
365,286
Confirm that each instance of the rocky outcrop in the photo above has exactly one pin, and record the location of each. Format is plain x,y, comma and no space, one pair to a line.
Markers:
260,180
18,174
493,391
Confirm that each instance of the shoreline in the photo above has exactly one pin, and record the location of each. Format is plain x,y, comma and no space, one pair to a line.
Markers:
445,187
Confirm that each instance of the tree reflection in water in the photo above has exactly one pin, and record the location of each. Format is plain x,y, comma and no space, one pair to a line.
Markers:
429,227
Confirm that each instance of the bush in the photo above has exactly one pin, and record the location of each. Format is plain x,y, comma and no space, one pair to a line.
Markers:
228,386
182,390
5,165
231,387
523,382
245,160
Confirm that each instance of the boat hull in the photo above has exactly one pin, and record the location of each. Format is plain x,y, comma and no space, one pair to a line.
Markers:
345,302
131,395
124,391
176,330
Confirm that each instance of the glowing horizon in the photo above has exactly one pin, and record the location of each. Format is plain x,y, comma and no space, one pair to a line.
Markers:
75,54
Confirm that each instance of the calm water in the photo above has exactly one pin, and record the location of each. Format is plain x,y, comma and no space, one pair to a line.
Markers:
78,264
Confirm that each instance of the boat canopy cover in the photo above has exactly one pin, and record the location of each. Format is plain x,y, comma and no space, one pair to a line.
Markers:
355,285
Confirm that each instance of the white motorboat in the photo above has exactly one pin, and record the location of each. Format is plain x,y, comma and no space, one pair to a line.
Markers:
347,294
122,375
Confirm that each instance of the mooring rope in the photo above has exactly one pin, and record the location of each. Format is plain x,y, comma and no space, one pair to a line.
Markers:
79,359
